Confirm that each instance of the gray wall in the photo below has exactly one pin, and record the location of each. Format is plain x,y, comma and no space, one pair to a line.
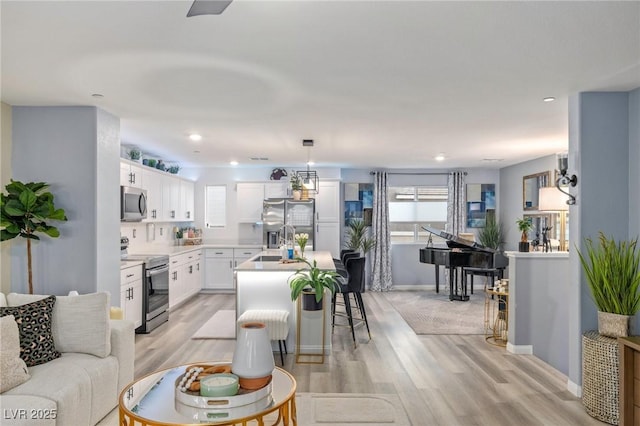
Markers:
76,150
5,176
511,195
634,161
599,148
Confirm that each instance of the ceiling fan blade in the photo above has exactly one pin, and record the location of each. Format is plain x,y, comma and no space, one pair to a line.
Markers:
208,7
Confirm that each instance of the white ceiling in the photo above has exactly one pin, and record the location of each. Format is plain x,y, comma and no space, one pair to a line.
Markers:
374,83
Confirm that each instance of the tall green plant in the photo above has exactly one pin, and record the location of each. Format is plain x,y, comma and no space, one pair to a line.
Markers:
25,210
357,238
491,235
613,273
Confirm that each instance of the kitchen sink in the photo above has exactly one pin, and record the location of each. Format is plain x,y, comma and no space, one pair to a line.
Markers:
267,258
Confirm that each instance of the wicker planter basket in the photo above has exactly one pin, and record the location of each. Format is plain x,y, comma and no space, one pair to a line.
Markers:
613,325
600,367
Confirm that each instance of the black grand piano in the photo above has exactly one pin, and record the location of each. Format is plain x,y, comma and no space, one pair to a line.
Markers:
461,253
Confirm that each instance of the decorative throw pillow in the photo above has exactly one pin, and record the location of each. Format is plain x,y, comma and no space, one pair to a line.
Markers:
13,370
34,325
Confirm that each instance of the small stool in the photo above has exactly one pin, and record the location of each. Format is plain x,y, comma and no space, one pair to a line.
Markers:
277,325
483,272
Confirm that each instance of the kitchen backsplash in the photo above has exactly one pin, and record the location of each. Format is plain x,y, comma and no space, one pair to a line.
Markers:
141,234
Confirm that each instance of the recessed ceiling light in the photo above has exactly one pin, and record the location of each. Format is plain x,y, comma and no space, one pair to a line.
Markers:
195,137
439,157
492,160
310,163
549,99
233,163
98,95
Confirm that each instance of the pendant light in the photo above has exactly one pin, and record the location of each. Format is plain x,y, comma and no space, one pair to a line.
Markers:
309,178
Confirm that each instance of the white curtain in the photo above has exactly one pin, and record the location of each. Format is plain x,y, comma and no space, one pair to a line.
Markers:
456,208
381,261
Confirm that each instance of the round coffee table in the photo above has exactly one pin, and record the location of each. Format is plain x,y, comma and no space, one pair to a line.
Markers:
151,400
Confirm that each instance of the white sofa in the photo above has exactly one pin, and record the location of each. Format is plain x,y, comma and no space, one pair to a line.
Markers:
83,384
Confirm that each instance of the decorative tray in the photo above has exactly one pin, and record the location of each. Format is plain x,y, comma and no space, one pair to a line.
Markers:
244,397
289,261
216,414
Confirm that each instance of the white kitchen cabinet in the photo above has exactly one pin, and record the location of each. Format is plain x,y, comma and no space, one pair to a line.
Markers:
186,207
277,189
153,184
249,200
131,294
328,237
219,266
328,201
184,277
170,198
130,174
219,269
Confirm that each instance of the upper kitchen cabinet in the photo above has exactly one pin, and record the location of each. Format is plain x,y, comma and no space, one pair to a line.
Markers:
153,184
186,207
131,174
249,202
277,189
328,201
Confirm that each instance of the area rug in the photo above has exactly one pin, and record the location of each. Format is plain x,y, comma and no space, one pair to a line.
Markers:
428,312
336,409
222,325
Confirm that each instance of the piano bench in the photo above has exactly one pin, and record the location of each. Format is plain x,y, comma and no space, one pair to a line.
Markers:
483,272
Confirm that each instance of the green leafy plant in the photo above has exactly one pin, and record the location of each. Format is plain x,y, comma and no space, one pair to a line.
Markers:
25,210
296,182
492,235
613,274
524,226
134,154
312,279
357,238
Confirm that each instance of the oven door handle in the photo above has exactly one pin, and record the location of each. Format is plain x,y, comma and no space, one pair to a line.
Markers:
152,272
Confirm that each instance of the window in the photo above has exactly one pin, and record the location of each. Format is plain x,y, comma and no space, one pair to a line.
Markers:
215,201
411,207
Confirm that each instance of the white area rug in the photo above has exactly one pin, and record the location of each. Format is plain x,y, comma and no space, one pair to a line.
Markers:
337,409
222,325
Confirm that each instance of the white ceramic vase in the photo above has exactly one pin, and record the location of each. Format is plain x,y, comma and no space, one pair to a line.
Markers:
253,357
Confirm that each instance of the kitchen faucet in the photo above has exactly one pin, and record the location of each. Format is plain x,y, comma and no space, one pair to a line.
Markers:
288,236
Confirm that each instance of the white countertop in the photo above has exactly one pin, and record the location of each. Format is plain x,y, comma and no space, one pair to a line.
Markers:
174,250
324,259
130,264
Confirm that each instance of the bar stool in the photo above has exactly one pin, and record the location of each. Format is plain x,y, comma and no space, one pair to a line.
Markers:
355,285
276,322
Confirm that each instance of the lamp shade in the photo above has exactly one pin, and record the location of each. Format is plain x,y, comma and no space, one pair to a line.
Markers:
551,200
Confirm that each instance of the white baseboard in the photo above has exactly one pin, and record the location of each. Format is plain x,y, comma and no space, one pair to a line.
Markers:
519,349
575,389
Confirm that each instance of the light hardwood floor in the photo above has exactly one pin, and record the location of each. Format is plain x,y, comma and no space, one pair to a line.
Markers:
441,380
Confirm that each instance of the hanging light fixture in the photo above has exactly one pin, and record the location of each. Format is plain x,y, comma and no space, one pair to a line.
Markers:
309,178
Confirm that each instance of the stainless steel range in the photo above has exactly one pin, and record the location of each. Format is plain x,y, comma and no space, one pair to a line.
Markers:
155,291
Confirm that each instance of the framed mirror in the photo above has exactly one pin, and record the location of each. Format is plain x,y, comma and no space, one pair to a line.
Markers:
530,186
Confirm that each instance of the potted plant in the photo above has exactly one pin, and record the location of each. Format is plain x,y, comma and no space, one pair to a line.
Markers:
492,235
296,186
357,239
301,240
25,210
613,274
311,282
524,226
134,154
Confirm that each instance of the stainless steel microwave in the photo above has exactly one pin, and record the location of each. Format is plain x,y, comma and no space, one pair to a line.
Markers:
133,204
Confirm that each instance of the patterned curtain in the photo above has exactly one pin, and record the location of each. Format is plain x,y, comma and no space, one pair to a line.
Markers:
456,208
381,261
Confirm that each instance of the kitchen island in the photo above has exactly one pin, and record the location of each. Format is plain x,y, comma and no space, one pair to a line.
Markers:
262,282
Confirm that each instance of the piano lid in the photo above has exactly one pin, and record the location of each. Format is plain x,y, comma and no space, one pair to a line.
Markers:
454,241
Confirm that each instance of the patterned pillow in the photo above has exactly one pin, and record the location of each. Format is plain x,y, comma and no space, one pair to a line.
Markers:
34,324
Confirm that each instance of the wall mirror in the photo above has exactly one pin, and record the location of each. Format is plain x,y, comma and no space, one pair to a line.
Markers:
530,186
